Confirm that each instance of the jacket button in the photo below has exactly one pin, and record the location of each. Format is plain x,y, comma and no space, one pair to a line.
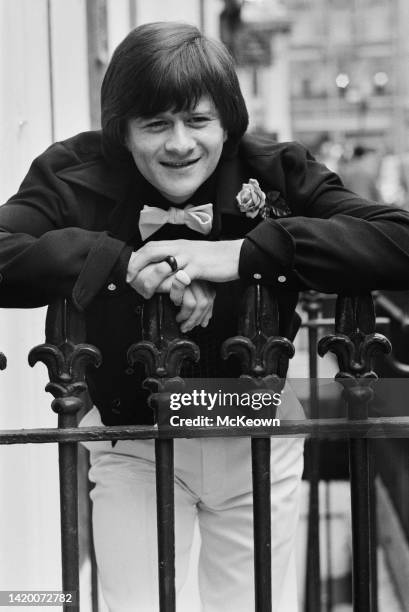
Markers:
116,405
111,287
282,278
138,310
257,276
129,371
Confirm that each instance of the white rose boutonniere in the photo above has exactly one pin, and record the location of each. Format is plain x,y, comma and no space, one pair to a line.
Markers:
251,199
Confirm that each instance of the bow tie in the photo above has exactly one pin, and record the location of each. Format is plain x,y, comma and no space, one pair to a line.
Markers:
197,218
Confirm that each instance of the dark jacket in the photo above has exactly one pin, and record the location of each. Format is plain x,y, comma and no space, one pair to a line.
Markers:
70,230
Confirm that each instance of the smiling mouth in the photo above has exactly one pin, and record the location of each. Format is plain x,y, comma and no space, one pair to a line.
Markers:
182,164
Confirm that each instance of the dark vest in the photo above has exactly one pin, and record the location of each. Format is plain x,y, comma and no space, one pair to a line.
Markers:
114,322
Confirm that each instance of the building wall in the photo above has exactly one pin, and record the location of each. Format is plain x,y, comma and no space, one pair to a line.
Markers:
43,69
268,105
362,39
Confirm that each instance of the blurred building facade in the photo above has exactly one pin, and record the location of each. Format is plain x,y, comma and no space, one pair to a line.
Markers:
349,72
256,32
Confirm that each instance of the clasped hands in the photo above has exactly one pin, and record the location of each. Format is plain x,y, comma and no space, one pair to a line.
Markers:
204,262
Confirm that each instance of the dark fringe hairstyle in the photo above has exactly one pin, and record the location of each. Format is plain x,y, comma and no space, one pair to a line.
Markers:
168,66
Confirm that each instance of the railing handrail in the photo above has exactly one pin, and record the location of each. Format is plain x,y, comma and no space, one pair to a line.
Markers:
332,428
264,356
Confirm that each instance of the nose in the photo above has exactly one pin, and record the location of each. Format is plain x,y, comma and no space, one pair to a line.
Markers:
180,141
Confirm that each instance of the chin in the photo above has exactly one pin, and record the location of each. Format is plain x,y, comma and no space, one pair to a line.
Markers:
184,195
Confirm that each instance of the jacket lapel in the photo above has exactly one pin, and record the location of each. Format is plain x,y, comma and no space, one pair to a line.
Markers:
98,177
119,184
229,181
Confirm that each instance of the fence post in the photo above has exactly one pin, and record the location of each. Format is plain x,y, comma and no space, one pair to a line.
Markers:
162,350
264,357
312,304
354,344
66,357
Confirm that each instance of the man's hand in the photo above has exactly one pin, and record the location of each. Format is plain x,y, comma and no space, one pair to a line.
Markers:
197,306
196,301
153,278
201,260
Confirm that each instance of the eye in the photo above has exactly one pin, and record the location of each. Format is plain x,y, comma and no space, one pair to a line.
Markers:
156,125
199,120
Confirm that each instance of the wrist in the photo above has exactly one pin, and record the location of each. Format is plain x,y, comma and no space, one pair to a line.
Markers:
233,248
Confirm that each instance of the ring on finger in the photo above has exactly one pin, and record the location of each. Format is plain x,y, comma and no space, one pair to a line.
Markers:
172,262
183,277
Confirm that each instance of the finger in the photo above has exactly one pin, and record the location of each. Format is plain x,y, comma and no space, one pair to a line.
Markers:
201,307
211,295
207,317
188,306
147,282
144,283
152,252
204,294
187,309
177,291
165,286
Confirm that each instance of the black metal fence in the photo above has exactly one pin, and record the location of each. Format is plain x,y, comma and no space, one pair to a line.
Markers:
264,357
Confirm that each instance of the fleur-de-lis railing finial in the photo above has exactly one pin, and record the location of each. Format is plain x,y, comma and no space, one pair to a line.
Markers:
262,352
264,357
66,357
162,350
355,343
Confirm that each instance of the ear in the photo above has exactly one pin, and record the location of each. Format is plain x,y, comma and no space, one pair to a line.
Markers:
127,141
225,135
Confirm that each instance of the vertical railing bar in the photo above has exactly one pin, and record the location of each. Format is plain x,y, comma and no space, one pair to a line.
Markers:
162,351
66,355
165,500
361,528
329,589
364,565
263,355
362,516
355,343
313,573
93,561
68,461
373,536
260,454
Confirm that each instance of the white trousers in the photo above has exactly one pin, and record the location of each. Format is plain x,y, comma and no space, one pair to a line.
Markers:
213,486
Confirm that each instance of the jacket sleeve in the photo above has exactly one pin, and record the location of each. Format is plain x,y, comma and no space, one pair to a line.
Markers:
335,241
45,250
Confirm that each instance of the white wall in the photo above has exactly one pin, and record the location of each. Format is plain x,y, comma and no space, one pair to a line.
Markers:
168,10
29,511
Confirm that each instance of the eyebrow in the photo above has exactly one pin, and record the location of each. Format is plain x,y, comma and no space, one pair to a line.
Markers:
206,110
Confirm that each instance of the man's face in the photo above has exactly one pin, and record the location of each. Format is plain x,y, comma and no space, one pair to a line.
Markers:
177,152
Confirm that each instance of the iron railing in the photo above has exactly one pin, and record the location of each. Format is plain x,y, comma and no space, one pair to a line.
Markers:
264,357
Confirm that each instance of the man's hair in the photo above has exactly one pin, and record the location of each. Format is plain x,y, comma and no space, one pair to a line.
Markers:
166,66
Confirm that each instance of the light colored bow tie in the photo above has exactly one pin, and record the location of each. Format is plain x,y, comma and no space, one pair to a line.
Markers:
197,218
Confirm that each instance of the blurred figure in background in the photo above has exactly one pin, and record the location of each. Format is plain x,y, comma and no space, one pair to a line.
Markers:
393,181
360,173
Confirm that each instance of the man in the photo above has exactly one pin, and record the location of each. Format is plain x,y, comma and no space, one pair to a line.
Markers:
172,197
